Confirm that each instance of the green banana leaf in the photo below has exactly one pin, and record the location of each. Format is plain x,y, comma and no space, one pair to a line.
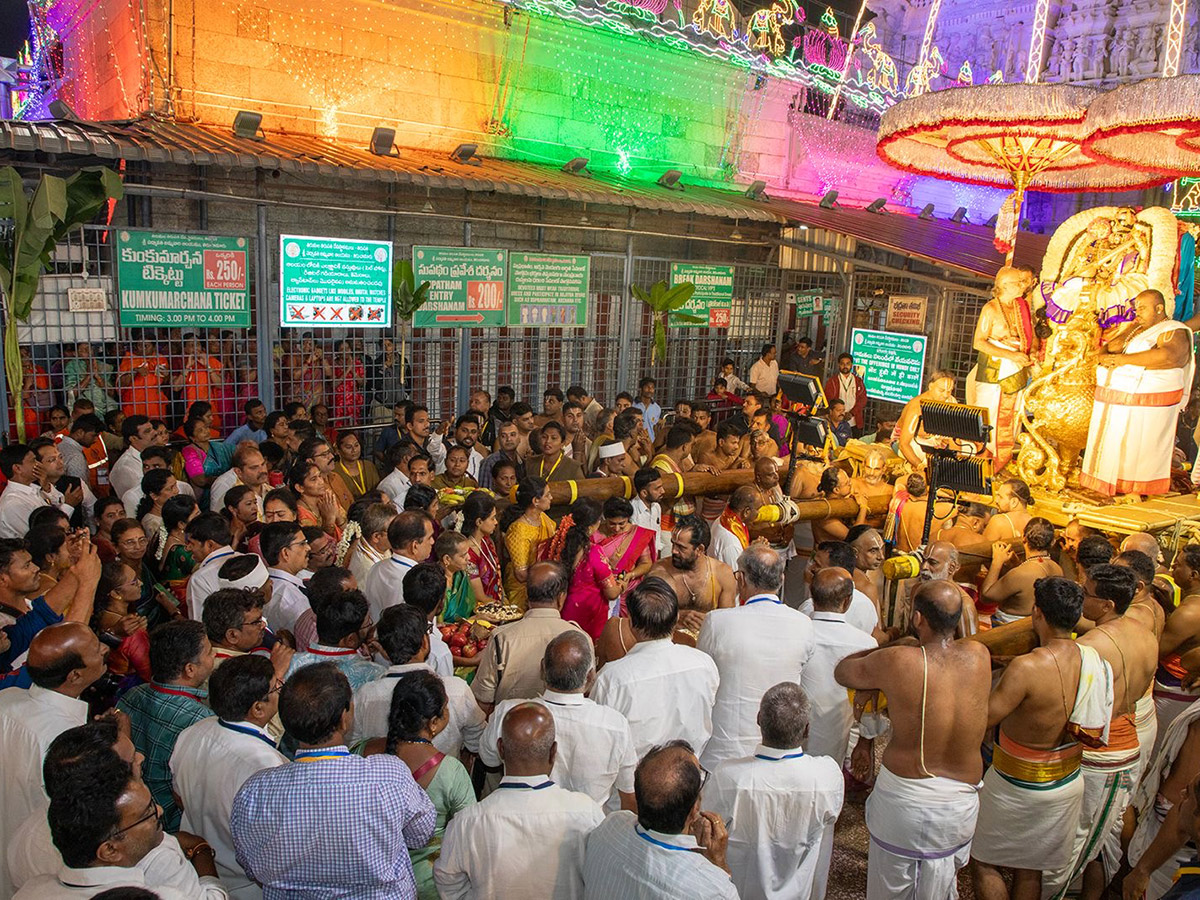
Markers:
40,221
407,298
663,301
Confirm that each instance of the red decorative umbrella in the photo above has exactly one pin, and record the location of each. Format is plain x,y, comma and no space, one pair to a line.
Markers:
1150,126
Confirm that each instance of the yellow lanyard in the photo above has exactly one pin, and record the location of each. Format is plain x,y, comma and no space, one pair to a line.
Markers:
542,467
360,483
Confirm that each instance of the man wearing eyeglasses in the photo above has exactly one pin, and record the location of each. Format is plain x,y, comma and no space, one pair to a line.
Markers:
670,849
285,549
213,758
344,629
319,453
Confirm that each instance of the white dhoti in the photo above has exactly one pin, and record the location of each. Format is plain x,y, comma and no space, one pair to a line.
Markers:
1171,698
1132,432
1145,718
1029,824
1108,777
1151,807
921,831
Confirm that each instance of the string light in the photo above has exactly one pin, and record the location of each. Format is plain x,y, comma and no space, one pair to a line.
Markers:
1176,26
921,75
1037,42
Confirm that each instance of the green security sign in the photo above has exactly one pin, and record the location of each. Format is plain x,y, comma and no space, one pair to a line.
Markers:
198,280
891,365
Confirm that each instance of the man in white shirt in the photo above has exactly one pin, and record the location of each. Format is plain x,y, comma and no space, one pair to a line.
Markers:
372,545
153,457
76,761
526,839
285,548
861,613
64,660
23,494
466,434
213,758
249,468
595,747
396,483
764,374
783,803
669,850
411,538
755,645
647,513
51,467
832,713
126,472
665,690
208,538
731,531
418,430
403,633
103,834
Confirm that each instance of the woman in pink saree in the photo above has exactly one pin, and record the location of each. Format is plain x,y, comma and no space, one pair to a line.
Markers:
630,550
593,585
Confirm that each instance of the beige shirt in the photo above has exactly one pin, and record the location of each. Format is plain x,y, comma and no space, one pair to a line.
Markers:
511,665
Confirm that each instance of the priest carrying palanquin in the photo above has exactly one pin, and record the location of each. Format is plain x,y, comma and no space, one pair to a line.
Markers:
1004,339
1143,378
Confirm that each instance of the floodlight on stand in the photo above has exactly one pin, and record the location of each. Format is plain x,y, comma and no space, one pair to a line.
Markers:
801,393
958,471
829,201
877,205
465,154
670,180
60,109
960,215
248,125
757,191
577,166
383,141
927,212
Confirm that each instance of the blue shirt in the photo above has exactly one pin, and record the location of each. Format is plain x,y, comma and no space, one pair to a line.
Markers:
20,634
245,433
358,671
650,416
334,827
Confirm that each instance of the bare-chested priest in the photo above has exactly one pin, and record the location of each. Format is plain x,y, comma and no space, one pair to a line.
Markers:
909,435
1127,644
1004,340
1033,793
1009,584
921,813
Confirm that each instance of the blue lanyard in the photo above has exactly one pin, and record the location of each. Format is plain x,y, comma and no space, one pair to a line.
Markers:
778,758
402,565
658,843
763,600
249,731
314,755
216,557
527,787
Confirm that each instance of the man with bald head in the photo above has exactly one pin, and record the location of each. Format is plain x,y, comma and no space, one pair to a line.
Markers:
595,746
833,640
64,661
511,666
669,850
1143,379
921,814
766,482
869,554
1004,340
747,664
731,532
941,563
527,838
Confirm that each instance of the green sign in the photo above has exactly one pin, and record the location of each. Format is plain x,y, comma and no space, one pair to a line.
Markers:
713,299
466,287
334,282
548,291
198,280
809,303
891,365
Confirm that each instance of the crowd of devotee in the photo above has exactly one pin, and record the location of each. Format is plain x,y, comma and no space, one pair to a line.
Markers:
346,650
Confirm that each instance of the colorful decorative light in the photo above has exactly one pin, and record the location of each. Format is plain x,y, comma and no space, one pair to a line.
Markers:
1037,42
1149,126
1176,27
919,84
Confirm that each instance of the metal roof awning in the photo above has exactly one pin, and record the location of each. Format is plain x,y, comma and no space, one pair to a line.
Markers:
964,247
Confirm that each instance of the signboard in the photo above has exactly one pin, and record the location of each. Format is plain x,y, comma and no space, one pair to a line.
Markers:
810,303
87,300
466,287
198,280
891,365
336,282
713,300
906,313
548,291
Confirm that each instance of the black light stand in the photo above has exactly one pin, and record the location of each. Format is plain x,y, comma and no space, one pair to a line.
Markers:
951,468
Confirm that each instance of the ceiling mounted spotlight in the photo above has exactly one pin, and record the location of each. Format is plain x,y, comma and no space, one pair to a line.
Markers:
829,201
577,166
248,125
757,191
670,180
465,154
61,110
960,215
383,141
877,205
927,212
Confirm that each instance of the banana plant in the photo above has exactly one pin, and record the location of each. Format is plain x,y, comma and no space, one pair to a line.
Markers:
40,220
663,302
407,298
